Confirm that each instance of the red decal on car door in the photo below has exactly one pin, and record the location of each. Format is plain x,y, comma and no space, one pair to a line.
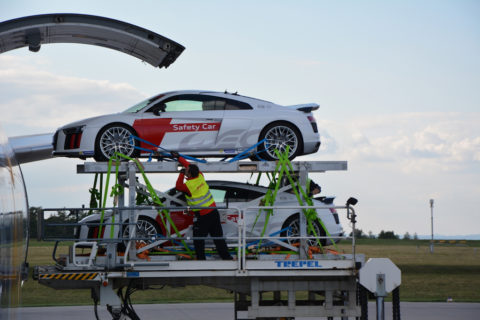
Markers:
153,130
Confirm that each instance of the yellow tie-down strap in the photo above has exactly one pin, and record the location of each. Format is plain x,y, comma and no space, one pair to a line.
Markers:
69,276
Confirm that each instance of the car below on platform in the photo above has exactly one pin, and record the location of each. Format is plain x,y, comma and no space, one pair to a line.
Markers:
231,198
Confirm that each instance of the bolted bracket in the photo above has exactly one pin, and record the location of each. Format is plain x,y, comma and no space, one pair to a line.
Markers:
381,292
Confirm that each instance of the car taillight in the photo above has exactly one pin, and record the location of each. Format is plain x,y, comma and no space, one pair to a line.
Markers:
335,215
93,227
313,122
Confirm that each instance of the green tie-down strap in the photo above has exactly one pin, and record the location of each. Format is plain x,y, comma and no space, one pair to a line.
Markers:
310,214
269,198
284,168
163,214
95,194
104,202
143,199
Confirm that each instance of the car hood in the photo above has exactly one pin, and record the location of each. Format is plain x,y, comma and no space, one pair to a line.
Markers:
96,121
95,217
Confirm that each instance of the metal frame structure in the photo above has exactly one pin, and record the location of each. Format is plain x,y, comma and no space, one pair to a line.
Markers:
265,286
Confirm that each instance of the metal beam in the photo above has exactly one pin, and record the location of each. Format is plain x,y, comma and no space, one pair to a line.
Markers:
218,166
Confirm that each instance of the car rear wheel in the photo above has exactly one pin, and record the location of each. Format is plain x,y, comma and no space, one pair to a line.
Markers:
278,136
115,138
293,225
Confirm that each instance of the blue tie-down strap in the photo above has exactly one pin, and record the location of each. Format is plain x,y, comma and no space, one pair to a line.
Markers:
180,244
166,152
160,236
266,244
246,153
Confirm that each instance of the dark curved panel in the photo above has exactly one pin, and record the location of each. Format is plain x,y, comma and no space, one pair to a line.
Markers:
13,230
33,31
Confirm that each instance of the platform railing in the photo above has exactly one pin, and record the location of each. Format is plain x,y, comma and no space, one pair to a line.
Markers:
241,239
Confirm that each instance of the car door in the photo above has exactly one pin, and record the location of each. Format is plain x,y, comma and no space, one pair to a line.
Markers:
244,197
229,224
185,123
235,134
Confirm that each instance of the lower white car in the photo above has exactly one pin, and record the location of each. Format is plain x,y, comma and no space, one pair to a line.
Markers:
282,223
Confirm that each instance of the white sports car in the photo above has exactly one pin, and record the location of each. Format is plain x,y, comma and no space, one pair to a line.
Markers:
195,123
283,223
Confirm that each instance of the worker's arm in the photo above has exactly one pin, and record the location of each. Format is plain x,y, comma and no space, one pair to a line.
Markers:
180,186
183,162
180,159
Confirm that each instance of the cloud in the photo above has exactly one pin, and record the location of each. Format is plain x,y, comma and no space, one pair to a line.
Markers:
308,63
34,98
412,141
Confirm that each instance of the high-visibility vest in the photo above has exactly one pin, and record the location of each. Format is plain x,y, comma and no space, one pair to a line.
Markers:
200,195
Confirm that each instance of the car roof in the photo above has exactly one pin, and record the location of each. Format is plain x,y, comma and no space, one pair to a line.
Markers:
225,94
235,184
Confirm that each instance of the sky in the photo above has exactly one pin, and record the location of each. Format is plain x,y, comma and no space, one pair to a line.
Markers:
398,83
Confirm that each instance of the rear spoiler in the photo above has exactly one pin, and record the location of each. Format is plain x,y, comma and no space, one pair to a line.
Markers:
306,107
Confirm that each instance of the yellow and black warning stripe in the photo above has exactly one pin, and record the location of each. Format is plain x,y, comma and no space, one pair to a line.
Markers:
69,276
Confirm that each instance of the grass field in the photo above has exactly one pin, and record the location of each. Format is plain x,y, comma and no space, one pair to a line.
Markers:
453,270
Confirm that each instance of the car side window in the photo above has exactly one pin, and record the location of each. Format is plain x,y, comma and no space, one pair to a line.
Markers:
237,105
183,105
242,195
216,103
183,102
252,195
218,195
197,102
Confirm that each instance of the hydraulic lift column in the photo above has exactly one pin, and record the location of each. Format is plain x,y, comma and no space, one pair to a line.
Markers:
302,220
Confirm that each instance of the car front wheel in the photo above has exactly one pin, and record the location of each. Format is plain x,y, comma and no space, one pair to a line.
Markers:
278,136
114,138
147,230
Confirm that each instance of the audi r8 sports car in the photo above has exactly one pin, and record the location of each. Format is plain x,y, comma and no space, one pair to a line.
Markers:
283,223
195,123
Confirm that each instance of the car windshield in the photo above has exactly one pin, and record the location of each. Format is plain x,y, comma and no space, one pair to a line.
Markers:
139,106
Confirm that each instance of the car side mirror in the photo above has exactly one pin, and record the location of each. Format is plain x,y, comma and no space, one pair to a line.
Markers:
351,201
158,108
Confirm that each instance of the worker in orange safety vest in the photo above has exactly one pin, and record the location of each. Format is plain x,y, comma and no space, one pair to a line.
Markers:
207,220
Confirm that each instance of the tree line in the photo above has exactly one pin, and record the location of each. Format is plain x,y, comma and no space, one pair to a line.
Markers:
74,216
58,217
359,234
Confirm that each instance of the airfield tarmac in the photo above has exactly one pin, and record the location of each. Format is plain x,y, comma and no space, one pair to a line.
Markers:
208,311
